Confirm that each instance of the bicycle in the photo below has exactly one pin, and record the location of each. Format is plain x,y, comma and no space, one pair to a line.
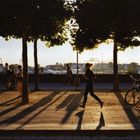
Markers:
132,96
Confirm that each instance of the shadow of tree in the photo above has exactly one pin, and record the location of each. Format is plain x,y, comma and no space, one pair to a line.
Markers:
9,102
131,116
137,106
29,110
10,109
101,122
73,105
44,108
80,116
66,101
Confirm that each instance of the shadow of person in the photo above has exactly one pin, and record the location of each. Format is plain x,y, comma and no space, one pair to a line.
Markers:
101,122
66,101
80,116
72,106
137,106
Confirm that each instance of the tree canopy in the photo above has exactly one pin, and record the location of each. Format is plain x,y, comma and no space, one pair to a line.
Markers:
43,19
100,20
33,19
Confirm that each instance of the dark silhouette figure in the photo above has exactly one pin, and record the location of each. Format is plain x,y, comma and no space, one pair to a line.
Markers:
101,122
89,76
80,116
13,79
69,78
19,77
9,77
6,80
6,67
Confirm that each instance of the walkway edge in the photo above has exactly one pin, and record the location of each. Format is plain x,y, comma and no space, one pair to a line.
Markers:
89,133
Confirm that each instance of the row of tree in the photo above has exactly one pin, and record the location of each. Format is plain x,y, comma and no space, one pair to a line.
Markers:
100,20
92,22
32,20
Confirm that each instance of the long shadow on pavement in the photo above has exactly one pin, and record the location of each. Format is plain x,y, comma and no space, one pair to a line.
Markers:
101,122
80,116
65,103
128,111
10,109
28,110
44,108
72,106
9,102
137,107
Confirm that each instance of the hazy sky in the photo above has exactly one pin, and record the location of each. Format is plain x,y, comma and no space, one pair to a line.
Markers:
11,52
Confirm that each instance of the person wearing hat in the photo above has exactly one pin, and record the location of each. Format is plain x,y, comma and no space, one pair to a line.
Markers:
89,76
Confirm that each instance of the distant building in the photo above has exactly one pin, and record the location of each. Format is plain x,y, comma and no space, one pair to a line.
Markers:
103,68
98,68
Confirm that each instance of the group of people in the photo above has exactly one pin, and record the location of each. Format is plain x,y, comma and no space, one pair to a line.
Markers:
13,79
89,78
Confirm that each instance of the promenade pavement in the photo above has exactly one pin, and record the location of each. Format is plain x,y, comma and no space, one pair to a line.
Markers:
54,113
60,110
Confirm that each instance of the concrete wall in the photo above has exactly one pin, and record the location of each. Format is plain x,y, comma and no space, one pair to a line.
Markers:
61,78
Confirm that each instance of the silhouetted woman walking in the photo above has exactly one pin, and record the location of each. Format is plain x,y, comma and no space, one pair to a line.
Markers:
89,76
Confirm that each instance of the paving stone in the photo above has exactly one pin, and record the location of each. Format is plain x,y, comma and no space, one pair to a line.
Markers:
60,110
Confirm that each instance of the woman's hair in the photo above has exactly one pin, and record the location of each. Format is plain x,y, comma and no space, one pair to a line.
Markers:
88,65
19,66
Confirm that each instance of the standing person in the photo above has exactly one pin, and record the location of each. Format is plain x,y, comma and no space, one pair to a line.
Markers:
13,78
89,76
6,67
9,77
6,76
19,77
69,78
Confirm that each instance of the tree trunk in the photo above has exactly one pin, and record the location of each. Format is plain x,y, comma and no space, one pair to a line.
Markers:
115,67
36,66
25,94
